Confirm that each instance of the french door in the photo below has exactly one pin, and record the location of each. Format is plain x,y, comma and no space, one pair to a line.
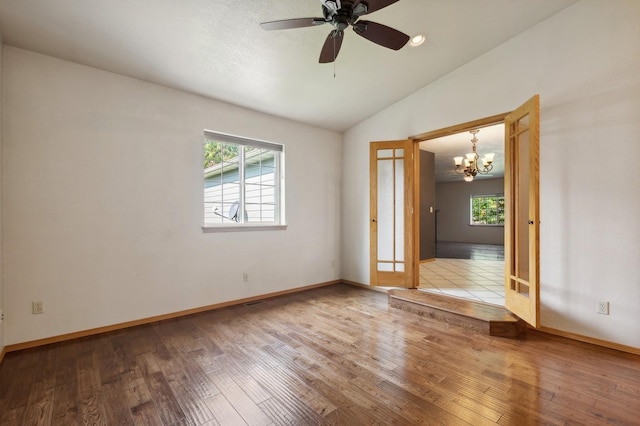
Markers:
391,213
522,224
392,200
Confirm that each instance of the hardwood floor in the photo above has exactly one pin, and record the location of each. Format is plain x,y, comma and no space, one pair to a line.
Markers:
334,355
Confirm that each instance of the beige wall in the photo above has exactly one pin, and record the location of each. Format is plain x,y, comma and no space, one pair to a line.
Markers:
452,204
103,201
585,64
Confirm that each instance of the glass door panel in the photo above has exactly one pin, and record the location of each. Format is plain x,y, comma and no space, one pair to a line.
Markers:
390,179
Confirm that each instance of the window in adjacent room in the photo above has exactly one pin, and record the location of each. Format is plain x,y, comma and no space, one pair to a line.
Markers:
243,182
487,209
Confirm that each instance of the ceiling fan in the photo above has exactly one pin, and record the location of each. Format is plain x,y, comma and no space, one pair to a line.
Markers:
342,14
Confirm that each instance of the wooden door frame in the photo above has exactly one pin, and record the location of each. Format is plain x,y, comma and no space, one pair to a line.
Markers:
447,131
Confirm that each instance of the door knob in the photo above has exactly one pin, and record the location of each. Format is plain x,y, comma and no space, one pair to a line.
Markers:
530,222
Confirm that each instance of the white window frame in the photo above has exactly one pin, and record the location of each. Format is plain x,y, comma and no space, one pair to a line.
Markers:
279,211
471,197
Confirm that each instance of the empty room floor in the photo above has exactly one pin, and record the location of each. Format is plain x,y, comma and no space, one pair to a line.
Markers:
480,280
336,355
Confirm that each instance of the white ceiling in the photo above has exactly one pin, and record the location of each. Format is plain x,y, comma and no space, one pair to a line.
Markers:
490,140
217,49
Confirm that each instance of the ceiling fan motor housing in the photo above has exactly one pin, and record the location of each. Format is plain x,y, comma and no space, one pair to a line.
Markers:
341,20
342,14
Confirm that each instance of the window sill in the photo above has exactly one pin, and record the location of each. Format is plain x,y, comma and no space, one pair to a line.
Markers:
487,224
242,228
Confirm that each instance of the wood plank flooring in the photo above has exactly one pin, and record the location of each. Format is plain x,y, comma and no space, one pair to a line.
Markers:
336,355
482,317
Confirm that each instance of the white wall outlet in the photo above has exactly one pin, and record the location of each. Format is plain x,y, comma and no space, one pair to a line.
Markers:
1,315
603,308
37,307
245,277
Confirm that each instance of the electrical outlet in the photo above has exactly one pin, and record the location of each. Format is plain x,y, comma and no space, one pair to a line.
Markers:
603,308
1,315
37,307
245,277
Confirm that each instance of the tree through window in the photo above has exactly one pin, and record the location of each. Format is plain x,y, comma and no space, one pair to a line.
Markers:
487,209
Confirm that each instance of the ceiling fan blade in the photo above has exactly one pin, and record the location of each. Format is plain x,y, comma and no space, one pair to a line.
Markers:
292,23
331,47
373,5
381,34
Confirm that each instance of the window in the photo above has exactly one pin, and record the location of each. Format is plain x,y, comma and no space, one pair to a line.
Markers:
242,181
487,210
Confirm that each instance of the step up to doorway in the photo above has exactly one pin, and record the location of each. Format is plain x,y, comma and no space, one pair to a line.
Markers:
482,317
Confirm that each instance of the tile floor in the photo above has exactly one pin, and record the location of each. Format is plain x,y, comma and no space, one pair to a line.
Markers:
481,280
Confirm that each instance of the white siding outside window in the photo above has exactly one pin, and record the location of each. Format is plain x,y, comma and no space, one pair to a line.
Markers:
243,182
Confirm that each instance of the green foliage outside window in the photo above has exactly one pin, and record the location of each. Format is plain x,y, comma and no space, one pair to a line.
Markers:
487,209
217,152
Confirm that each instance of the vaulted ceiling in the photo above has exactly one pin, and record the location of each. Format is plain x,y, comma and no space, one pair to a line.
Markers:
217,49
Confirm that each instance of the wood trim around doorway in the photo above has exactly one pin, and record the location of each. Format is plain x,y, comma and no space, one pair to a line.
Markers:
447,131
459,128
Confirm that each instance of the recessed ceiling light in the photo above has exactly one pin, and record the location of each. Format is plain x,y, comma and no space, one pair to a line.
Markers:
417,40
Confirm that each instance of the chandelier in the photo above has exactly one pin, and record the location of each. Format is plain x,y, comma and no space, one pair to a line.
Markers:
471,163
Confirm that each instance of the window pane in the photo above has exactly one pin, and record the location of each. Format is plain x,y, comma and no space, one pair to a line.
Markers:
522,213
385,266
385,153
399,209
386,209
487,210
241,182
221,182
260,185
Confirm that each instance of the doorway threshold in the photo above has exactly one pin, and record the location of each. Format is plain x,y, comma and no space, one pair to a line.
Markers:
482,317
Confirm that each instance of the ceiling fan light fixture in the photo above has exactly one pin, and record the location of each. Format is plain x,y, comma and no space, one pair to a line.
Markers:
417,40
